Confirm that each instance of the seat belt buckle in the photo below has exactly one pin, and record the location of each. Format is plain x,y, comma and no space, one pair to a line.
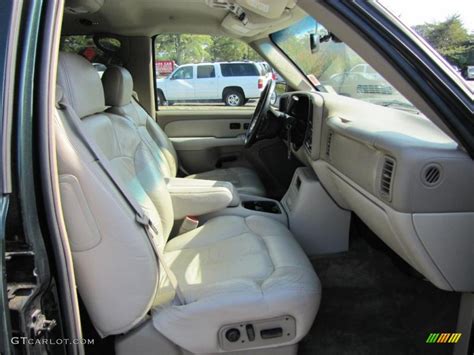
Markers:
189,223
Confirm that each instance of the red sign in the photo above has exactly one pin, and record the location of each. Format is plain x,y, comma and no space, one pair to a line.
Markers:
89,53
164,66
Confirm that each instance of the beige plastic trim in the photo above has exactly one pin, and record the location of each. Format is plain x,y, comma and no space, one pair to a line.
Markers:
202,143
396,229
241,211
318,224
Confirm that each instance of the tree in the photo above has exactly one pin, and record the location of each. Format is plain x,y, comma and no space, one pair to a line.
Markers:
229,49
188,48
183,48
450,38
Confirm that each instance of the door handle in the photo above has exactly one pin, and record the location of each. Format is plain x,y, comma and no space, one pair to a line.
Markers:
234,125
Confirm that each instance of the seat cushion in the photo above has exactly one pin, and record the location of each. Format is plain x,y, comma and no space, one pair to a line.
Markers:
246,181
235,269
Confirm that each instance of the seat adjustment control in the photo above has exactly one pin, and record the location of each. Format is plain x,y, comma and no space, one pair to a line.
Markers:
250,332
232,335
271,333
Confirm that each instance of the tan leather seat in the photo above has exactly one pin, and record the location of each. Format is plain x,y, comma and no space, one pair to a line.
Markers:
118,88
231,269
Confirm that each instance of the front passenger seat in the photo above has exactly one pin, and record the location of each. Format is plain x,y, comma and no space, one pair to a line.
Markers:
246,283
118,89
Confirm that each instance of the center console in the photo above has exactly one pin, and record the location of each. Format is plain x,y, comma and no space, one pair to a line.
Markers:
266,206
253,205
319,225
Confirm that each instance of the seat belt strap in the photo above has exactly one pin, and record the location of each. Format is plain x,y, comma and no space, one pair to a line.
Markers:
140,216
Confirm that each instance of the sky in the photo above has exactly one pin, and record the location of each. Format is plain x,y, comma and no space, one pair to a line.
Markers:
416,12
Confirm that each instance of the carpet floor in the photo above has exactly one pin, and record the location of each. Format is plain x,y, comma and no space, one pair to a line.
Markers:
374,303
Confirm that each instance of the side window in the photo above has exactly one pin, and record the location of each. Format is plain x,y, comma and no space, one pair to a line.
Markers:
85,46
183,73
206,71
240,69
236,67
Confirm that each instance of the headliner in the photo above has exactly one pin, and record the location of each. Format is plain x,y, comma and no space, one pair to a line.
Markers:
151,17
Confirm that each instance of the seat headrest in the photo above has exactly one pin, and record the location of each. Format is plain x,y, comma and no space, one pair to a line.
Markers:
118,86
81,84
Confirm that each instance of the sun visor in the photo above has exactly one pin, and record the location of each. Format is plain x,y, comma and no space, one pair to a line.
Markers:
254,26
271,9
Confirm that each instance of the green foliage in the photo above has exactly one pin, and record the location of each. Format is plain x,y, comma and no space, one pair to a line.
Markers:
450,38
76,44
183,48
187,48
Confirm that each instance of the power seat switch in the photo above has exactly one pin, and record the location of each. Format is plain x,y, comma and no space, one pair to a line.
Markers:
271,333
250,332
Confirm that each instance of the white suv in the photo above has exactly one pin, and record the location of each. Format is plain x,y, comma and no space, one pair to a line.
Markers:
234,83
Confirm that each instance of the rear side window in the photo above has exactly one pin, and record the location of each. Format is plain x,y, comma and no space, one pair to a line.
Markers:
205,71
239,69
85,46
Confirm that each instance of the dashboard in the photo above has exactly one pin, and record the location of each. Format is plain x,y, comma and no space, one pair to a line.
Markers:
404,177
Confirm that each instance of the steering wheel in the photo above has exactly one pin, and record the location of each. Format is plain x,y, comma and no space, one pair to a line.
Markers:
260,114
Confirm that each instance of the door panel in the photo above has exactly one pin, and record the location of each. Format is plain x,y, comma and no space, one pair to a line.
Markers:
206,139
224,128
206,89
181,84
180,89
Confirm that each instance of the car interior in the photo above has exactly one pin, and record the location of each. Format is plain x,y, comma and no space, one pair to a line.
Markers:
320,224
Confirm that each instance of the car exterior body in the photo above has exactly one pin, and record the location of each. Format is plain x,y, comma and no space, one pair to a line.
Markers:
470,72
234,83
360,81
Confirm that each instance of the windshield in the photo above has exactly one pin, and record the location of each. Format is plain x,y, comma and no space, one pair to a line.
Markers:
328,62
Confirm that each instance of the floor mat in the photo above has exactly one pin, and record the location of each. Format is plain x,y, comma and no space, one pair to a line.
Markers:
374,303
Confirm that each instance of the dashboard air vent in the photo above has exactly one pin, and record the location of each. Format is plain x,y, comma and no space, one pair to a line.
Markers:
328,144
431,175
386,179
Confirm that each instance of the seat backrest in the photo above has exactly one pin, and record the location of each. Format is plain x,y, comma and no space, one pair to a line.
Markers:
118,89
115,265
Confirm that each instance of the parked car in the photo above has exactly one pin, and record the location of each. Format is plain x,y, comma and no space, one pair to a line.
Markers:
468,72
233,83
360,81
